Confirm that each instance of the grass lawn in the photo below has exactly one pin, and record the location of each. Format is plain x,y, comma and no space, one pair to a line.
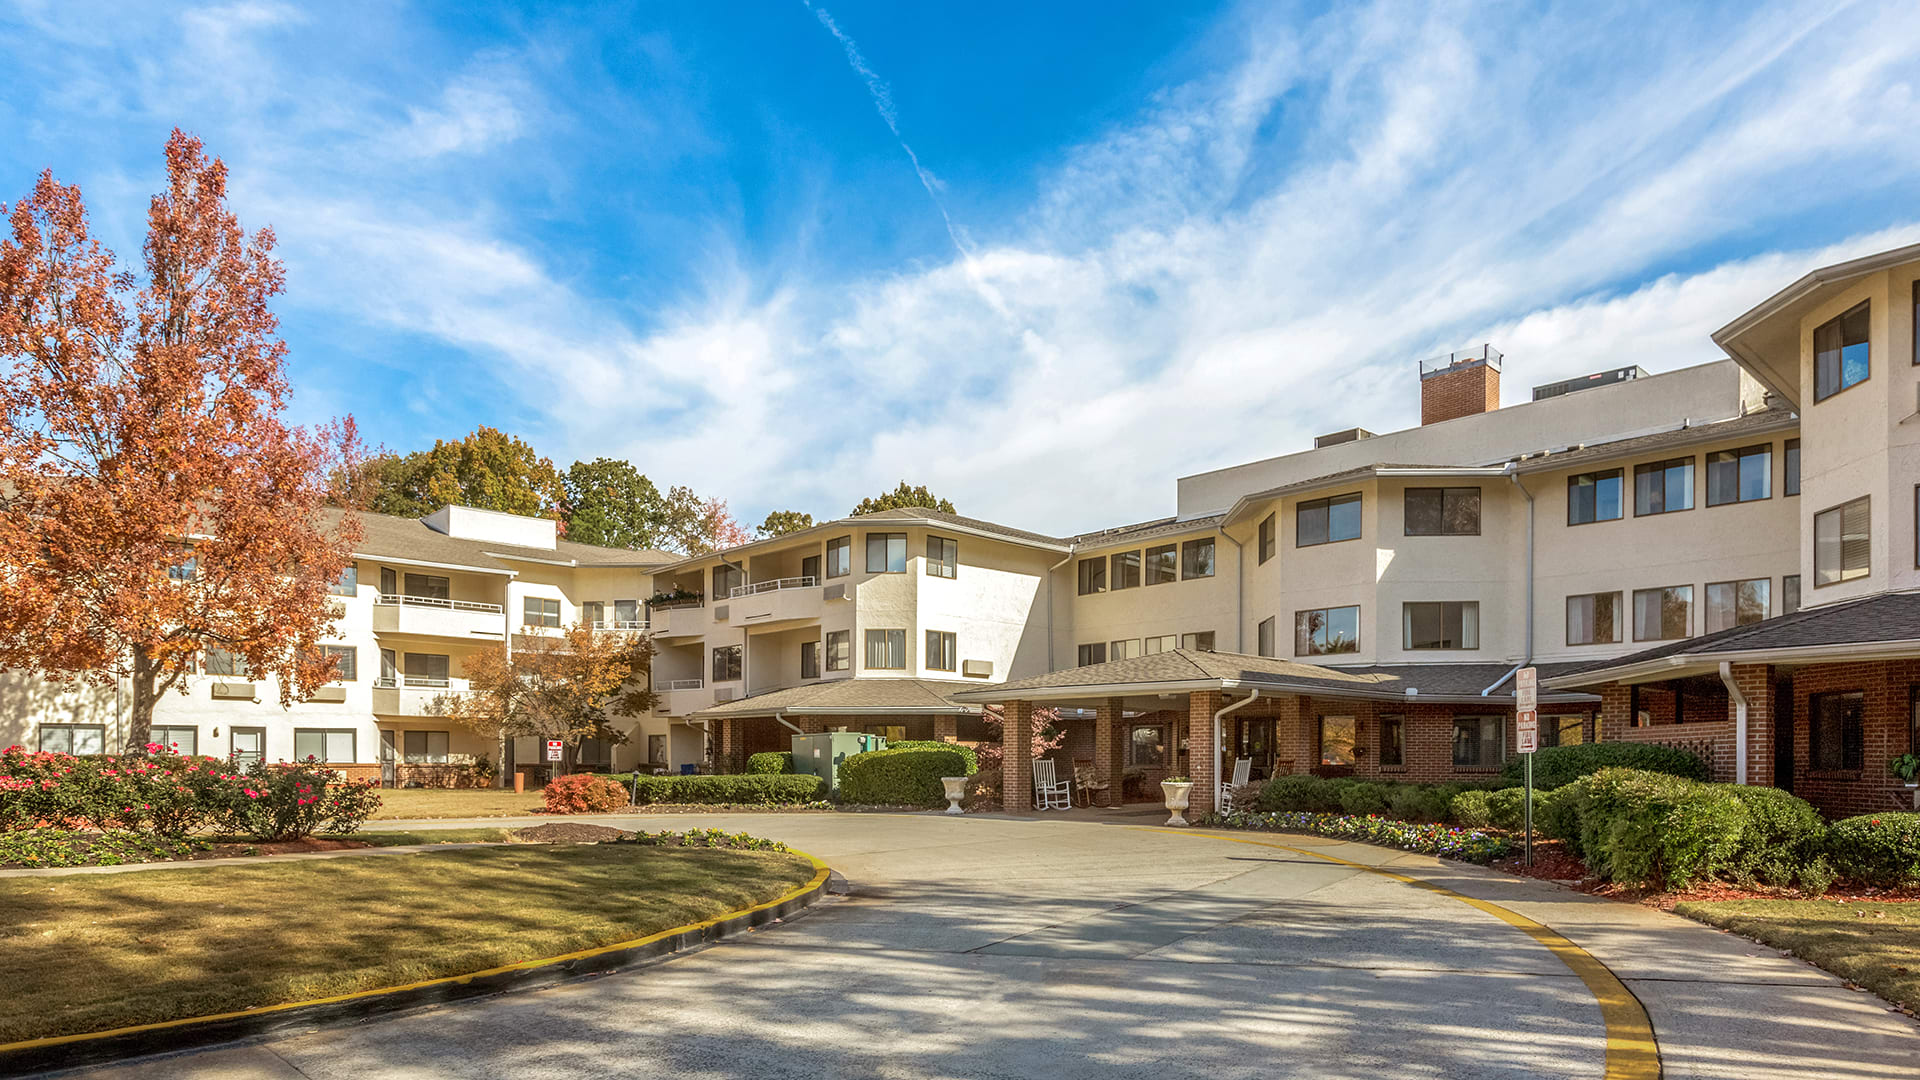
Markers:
406,837
1875,945
444,803
90,952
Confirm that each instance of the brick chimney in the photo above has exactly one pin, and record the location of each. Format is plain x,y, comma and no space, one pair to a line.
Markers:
1459,384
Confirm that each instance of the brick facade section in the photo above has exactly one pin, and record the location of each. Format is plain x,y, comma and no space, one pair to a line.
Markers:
1110,748
1203,744
1885,734
1465,389
1756,685
1016,735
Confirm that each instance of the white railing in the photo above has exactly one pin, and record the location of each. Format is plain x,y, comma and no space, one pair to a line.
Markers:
417,682
686,684
675,605
806,582
435,602
621,624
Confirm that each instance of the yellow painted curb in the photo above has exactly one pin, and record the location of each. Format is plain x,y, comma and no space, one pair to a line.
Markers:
1632,1053
821,872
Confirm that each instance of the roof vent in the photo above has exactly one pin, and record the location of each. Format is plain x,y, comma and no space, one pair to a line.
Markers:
1352,434
1588,382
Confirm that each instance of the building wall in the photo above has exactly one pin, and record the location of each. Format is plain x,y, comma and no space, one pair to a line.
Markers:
1169,608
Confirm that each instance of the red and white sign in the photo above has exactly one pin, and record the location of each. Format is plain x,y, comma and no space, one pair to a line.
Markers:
1526,689
553,749
1526,731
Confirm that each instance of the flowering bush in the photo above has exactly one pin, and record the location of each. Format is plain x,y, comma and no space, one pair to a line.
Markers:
294,800
158,792
1878,849
1469,845
584,793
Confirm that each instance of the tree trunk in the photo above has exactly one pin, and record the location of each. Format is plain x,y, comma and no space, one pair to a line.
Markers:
145,693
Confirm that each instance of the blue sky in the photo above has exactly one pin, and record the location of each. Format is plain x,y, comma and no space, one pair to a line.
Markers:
1044,258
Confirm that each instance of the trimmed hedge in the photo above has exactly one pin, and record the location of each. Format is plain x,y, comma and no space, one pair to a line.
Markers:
966,752
1879,849
1346,795
1557,766
901,776
773,762
762,789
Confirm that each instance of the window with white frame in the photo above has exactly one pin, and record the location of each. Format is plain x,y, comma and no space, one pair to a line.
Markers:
76,739
184,741
1125,649
1159,644
324,744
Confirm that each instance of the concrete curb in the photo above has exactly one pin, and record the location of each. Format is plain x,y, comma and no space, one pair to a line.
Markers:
120,1044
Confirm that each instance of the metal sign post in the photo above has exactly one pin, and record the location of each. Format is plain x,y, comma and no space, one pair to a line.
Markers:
1526,701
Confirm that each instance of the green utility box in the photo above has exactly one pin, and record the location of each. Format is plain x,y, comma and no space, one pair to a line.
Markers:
822,755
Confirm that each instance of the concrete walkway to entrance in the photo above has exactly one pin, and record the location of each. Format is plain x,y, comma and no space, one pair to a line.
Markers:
987,946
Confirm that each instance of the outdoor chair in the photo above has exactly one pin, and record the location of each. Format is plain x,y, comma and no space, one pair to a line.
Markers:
1049,792
1086,784
1242,772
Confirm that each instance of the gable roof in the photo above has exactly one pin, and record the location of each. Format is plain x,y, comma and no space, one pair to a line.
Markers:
851,696
903,517
405,539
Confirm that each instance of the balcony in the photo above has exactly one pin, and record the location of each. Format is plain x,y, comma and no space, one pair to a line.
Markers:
678,697
411,695
784,602
684,618
428,616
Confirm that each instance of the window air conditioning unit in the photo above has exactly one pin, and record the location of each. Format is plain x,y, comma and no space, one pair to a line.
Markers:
977,669
720,612
333,694
724,693
233,691
834,592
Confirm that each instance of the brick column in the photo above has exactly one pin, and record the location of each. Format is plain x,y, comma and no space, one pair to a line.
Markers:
1016,763
1292,741
946,728
1109,748
729,745
1203,746
1616,712
1756,682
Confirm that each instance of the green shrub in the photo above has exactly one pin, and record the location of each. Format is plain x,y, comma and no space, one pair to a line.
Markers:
1291,792
1783,834
1556,766
1414,802
1364,797
1471,809
973,762
1556,813
900,777
1507,807
773,762
1645,828
1878,849
754,789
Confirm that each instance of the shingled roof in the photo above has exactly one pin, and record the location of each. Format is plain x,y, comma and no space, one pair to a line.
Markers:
850,696
387,536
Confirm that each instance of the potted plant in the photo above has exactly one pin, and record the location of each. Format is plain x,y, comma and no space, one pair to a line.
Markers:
1178,791
956,789
1907,768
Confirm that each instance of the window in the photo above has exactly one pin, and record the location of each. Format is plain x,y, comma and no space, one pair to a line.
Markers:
1265,636
1841,543
1198,642
1393,741
942,651
1479,742
726,663
182,740
657,749
1563,730
886,650
1123,570
248,746
1196,559
626,614
428,669
389,581
1662,614
424,747
593,752
1790,596
839,650
1163,564
1593,619
348,584
1840,357
1593,496
1440,625
810,568
886,553
324,744
593,613
1147,745
221,662
1123,650
1790,483
1663,487
1736,603
1336,740
727,578
1743,475
183,570
1094,652
76,739
1325,521
539,611
840,557
1453,511
1835,742
1093,576
1326,630
1152,645
943,557
809,659
1268,527
428,586
346,661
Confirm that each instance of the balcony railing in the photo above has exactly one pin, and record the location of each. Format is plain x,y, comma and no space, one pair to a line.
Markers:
435,602
416,682
685,684
758,587
626,625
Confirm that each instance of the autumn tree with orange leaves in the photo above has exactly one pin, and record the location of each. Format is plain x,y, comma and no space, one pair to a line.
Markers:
153,503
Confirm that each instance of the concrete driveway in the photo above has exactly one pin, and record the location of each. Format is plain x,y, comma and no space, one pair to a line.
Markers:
999,947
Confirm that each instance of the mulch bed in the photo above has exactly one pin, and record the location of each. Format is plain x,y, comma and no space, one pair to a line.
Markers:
566,832
1552,862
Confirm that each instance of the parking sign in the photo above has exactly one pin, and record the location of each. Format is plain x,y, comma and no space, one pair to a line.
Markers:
1527,731
1526,689
553,749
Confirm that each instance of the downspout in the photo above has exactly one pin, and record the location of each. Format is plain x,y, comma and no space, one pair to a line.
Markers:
1239,592
1527,653
781,716
1049,587
1739,722
1218,784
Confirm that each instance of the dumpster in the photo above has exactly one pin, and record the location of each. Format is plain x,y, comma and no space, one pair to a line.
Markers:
823,754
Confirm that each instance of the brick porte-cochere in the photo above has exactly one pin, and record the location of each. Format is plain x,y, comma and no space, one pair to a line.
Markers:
738,738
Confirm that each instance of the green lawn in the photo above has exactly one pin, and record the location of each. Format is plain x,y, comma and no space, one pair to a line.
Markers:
90,952
407,837
1875,945
445,803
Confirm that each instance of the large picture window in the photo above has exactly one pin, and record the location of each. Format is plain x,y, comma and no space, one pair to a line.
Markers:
1162,564
1743,475
1479,742
1664,614
886,553
1840,352
1327,521
76,739
1123,570
1842,543
1453,511
1196,558
1324,631
1836,739
1593,496
1440,625
1593,619
1093,576
1737,603
324,744
1663,487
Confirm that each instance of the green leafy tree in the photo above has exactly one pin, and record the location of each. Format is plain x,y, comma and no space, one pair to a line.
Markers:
904,497
612,504
388,484
782,522
488,470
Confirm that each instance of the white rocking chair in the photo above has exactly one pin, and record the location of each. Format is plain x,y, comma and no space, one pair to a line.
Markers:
1050,793
1242,772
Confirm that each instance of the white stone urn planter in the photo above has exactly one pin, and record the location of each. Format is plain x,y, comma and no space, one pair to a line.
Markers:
1178,794
956,790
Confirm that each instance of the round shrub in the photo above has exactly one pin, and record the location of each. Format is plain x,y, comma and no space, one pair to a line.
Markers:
1413,802
1644,828
1556,813
1783,834
1878,849
1555,766
1360,797
1291,792
584,793
293,800
1507,808
747,789
966,752
1471,809
900,777
773,762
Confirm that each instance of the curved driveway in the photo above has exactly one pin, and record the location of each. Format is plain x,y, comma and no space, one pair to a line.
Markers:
999,947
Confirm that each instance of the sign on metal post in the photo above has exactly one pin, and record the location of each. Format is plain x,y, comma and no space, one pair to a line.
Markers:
1526,735
1526,731
553,749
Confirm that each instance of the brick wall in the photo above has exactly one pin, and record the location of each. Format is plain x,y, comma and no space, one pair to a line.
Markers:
1016,737
1884,730
1202,746
1462,390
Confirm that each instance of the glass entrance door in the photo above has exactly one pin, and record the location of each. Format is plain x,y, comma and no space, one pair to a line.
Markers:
1255,740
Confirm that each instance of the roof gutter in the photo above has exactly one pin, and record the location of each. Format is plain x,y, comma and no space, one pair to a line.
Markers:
1047,583
1270,689
781,717
1739,722
1668,666
1218,740
1512,474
